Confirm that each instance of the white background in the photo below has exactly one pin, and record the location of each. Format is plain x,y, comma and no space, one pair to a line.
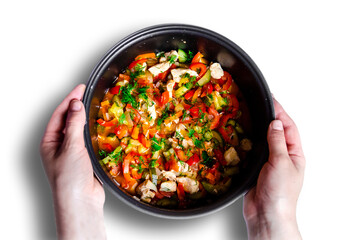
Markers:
47,48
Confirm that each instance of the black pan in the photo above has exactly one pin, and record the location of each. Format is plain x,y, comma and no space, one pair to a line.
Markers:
215,48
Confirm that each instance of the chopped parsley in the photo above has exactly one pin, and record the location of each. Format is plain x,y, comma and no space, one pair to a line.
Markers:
171,59
122,118
126,95
156,145
153,163
102,153
165,115
191,132
138,71
207,160
190,56
160,54
198,143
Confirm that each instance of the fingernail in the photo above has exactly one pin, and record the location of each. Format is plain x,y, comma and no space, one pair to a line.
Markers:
75,105
277,125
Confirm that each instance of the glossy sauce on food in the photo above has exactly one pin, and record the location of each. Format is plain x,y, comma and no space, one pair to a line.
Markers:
171,129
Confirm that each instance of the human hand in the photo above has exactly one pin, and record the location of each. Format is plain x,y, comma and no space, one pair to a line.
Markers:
270,207
78,196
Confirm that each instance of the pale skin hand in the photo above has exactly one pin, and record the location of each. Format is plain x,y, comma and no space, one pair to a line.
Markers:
270,207
78,196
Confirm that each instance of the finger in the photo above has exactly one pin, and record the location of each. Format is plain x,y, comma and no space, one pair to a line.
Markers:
291,134
57,122
75,121
276,140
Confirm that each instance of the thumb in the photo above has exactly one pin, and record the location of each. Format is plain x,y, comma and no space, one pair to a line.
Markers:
75,121
276,139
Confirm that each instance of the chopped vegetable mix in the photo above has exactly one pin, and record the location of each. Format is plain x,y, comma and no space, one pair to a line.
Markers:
171,129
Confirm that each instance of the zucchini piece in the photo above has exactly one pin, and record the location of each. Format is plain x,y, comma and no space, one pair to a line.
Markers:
167,202
236,125
205,79
216,189
181,91
218,101
182,56
116,99
111,156
208,135
230,171
197,195
218,137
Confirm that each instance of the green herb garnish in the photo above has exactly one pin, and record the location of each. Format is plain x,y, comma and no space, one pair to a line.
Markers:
207,160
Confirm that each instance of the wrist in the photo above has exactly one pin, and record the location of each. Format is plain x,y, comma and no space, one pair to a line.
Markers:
78,217
273,226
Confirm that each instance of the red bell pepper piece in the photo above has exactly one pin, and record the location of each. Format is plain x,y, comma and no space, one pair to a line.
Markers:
193,159
134,63
216,117
189,94
200,68
207,89
115,90
146,143
197,57
103,123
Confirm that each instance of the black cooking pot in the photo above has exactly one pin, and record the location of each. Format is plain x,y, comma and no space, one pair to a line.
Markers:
215,48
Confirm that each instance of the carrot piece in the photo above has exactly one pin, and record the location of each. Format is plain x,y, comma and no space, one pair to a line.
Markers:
146,55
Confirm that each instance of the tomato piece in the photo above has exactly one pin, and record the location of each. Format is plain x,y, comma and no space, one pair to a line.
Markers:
193,159
180,192
121,131
233,102
226,133
197,58
165,98
225,118
115,90
189,94
200,68
220,157
146,55
216,117
163,75
134,63
108,147
194,111
207,89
